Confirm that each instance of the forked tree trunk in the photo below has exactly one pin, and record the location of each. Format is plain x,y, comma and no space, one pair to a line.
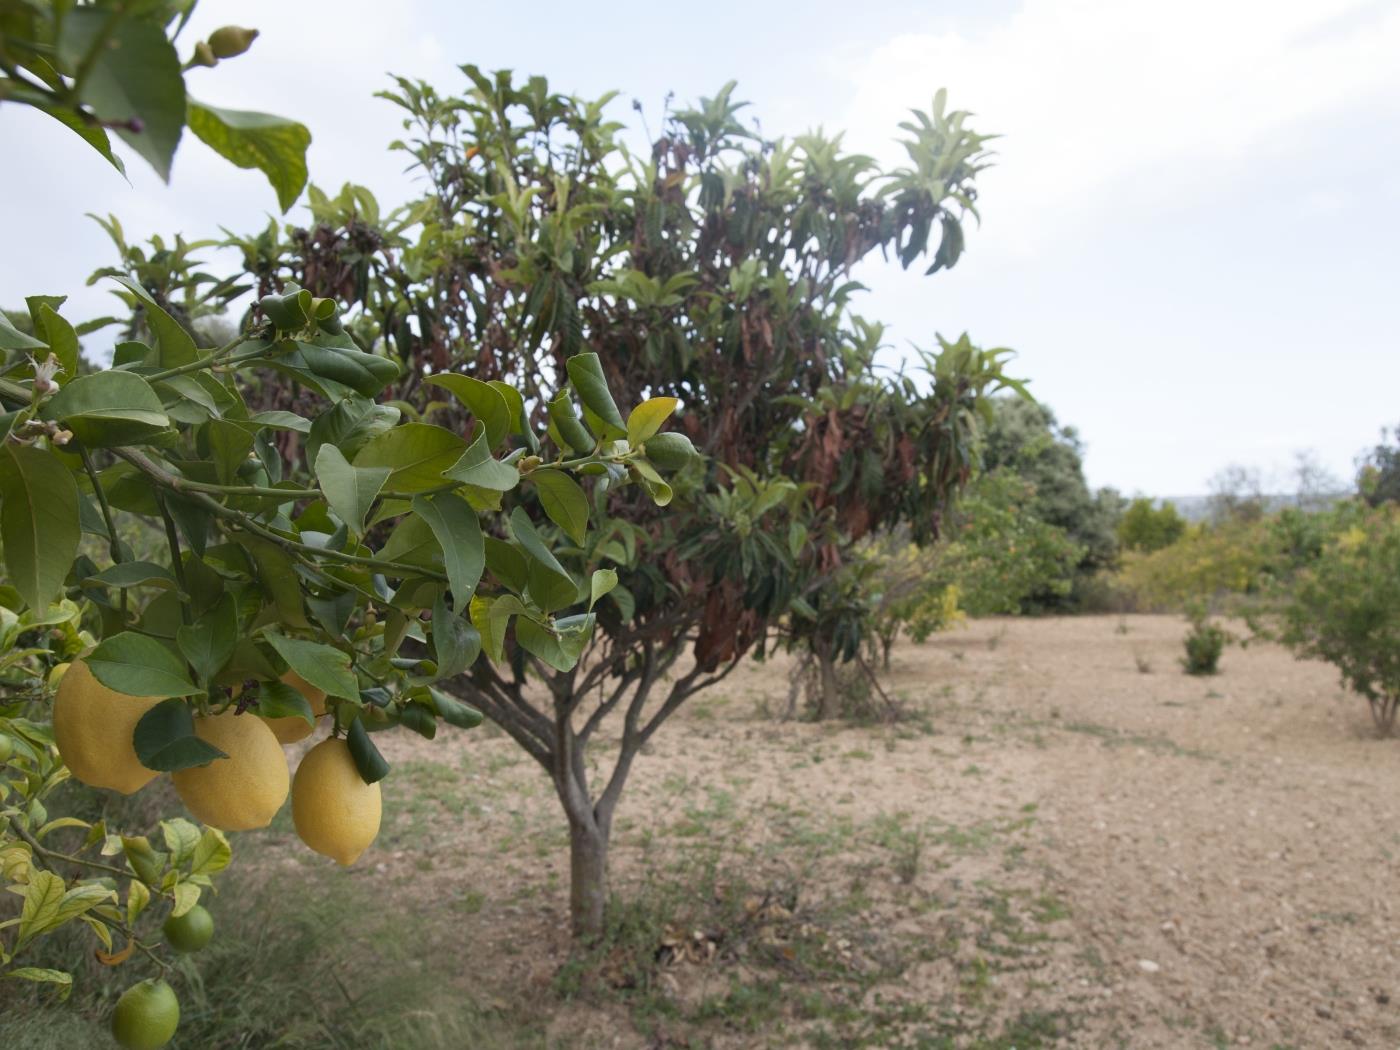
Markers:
1383,713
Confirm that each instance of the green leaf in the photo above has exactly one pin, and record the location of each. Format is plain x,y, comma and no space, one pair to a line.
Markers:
350,490
476,467
485,401
516,404
348,425
108,408
211,854
456,643
228,445
413,543
134,574
186,895
564,501
59,334
507,562
39,522
566,424
324,666
279,420
458,532
277,575
366,374
135,75
181,838
280,700
368,761
208,643
176,345
165,739
274,145
603,581
656,487
42,898
139,666
419,718
11,338
453,711
646,419
551,587
416,454
586,373
42,975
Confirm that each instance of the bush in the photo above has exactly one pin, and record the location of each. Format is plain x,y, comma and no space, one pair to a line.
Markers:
1147,527
1345,608
1204,645
1206,563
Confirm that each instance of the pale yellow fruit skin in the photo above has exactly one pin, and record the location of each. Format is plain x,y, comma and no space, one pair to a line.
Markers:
335,812
291,729
92,726
243,791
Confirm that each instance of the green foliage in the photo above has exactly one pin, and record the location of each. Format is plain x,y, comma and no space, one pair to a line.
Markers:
1001,553
1379,478
264,573
1025,439
1204,643
1206,563
101,66
1344,608
1147,527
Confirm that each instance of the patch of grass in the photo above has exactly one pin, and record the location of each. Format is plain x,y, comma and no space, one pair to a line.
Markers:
295,963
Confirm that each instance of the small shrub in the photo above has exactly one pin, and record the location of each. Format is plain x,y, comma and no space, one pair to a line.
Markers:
1144,665
1204,645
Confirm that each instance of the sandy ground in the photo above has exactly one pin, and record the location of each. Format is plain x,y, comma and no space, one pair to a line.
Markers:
1067,842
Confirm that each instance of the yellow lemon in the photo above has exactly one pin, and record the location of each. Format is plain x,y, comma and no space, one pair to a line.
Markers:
244,790
290,729
335,812
92,726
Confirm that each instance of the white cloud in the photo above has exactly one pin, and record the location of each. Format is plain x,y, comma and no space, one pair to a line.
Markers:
1097,96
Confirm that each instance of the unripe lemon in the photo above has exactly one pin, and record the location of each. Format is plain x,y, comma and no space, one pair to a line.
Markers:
242,791
189,932
92,726
290,729
146,1016
336,813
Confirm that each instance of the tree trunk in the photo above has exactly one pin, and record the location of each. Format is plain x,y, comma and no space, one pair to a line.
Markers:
830,703
588,876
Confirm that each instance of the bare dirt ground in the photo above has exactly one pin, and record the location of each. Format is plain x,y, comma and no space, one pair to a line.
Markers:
1067,842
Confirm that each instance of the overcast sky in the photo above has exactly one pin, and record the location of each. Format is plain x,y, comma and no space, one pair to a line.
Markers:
1190,235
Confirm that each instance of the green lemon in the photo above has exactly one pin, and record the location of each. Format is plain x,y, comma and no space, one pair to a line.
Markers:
189,932
146,1016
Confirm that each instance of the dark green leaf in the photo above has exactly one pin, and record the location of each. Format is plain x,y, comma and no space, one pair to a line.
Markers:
453,711
209,642
551,587
476,467
350,490
368,760
39,521
176,345
280,700
165,740
134,574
